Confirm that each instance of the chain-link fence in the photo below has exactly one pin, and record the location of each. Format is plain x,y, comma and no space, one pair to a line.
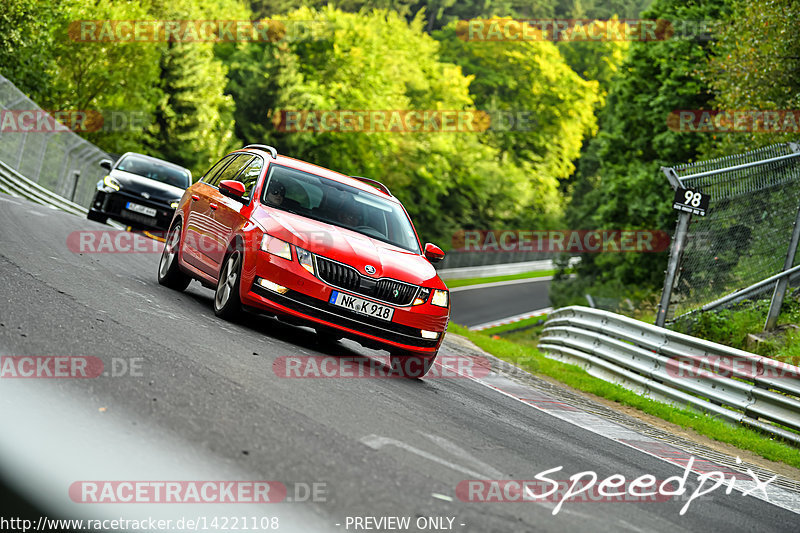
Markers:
746,234
57,159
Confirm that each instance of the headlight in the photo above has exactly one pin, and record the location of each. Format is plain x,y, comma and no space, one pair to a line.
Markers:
306,259
277,247
440,298
111,183
422,297
174,204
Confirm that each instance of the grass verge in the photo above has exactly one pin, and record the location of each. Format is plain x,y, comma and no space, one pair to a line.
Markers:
530,359
453,283
522,325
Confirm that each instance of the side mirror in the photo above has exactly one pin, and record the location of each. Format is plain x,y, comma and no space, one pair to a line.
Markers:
105,163
232,189
433,253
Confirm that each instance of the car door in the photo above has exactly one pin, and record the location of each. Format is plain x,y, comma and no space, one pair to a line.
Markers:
225,212
199,238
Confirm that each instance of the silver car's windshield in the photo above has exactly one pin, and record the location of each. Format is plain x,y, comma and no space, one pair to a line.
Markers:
339,204
175,176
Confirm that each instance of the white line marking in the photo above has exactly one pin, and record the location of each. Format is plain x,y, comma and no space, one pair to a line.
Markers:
510,319
464,454
376,443
499,283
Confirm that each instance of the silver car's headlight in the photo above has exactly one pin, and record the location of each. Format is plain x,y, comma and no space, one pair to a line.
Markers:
111,183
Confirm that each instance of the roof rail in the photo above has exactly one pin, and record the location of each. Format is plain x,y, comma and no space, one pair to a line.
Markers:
272,151
375,183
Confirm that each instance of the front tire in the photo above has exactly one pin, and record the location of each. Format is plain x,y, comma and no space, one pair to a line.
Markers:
169,273
411,365
326,335
227,302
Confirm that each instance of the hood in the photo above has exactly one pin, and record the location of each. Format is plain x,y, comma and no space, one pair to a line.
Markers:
349,247
136,185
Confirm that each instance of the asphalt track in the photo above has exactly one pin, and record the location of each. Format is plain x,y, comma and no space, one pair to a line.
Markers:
206,404
475,305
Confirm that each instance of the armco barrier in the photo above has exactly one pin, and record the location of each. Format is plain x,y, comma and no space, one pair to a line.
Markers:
14,182
682,369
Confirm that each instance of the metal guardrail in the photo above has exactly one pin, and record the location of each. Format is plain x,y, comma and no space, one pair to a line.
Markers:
735,385
14,182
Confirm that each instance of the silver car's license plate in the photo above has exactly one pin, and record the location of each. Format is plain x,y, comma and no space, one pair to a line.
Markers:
143,209
361,306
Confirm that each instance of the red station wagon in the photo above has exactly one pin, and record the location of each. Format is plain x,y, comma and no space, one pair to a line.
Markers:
314,247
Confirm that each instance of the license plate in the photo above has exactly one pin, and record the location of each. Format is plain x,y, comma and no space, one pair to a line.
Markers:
361,306
143,209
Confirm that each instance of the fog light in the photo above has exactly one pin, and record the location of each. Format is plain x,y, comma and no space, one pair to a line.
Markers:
274,287
429,334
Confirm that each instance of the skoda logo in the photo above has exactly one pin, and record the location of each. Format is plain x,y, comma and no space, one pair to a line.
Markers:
369,269
146,196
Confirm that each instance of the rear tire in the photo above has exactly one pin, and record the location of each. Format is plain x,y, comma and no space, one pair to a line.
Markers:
411,366
227,302
169,273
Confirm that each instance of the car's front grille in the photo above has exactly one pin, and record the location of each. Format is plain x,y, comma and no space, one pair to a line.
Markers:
337,274
347,278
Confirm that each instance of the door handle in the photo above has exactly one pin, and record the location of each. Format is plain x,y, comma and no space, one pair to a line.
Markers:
195,197
213,206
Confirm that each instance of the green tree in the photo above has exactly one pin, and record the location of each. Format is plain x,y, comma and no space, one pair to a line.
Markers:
755,65
528,78
378,61
618,184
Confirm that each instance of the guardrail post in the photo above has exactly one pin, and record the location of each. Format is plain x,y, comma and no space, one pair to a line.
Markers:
76,176
676,251
782,283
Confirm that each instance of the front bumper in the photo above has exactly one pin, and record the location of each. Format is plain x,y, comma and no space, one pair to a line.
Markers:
307,299
112,204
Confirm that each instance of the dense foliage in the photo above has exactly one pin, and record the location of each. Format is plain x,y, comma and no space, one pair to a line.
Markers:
619,184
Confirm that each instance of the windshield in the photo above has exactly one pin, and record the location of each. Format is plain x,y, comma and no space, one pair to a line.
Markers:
171,175
338,204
